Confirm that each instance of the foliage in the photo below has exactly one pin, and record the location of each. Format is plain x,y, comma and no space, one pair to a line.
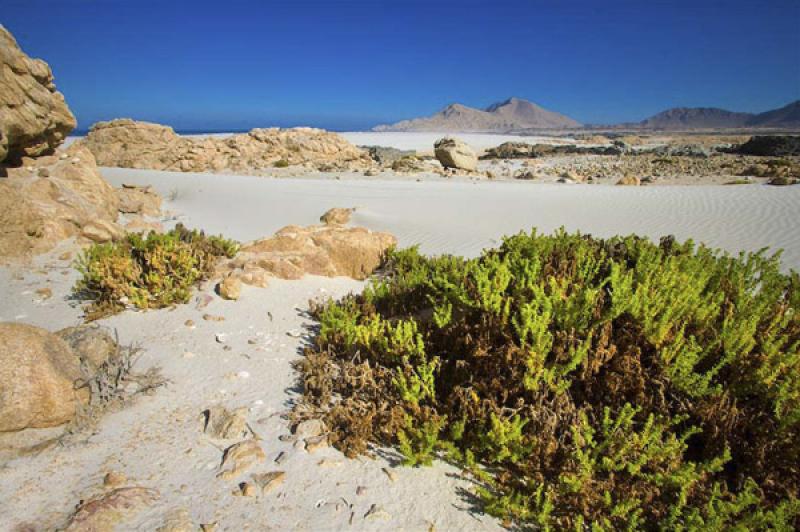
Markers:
587,383
155,271
281,163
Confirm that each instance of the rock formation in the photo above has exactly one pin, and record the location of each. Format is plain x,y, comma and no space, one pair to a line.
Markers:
294,251
129,144
34,119
454,153
54,197
770,145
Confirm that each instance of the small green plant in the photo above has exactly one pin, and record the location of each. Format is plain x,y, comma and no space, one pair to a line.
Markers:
281,163
155,271
586,383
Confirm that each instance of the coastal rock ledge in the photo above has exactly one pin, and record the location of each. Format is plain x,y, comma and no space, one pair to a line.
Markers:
126,143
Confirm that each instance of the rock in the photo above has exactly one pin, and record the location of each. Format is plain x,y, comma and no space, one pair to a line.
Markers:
385,156
629,180
771,145
137,224
454,153
783,181
328,250
44,293
139,200
245,489
317,442
92,344
336,216
410,164
114,479
102,231
211,317
37,375
34,118
230,288
269,481
309,428
44,172
240,457
129,144
377,512
221,424
107,511
36,212
389,473
526,175
189,323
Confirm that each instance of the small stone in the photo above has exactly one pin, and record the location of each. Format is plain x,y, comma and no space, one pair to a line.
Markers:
243,375
44,293
247,490
230,288
65,256
220,423
361,490
114,479
316,443
75,160
252,341
240,457
211,317
377,512
327,462
227,348
189,323
220,338
44,172
188,354
389,473
295,333
309,429
203,300
269,481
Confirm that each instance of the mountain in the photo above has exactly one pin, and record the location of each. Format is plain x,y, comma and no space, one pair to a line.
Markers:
695,117
679,118
786,116
511,114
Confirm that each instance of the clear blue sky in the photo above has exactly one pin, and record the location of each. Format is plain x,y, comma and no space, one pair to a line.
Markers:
351,64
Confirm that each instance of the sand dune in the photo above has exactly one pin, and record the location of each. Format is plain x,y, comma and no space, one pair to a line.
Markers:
464,217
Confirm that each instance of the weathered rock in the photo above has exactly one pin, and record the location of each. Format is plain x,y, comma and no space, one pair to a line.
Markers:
178,520
34,119
240,457
771,145
37,212
129,144
454,153
102,231
107,511
230,288
336,216
409,164
38,372
139,200
309,428
269,481
222,424
783,181
328,250
385,156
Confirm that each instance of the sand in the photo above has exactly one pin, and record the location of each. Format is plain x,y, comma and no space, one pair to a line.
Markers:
158,442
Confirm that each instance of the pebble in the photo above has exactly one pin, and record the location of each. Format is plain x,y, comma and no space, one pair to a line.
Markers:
211,317
189,323
377,512
243,374
309,428
327,462
220,338
389,473
316,443
361,490
252,341
295,333
114,479
188,354
269,481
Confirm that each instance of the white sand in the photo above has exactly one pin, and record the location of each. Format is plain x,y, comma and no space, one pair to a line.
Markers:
158,443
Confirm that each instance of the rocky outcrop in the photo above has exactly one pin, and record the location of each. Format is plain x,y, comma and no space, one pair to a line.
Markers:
454,153
129,144
53,197
38,371
521,150
770,145
294,251
34,119
386,156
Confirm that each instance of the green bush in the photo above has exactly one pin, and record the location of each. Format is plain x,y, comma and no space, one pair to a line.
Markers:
586,383
149,272
281,163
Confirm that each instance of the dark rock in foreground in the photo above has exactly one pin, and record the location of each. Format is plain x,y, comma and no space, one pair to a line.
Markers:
770,145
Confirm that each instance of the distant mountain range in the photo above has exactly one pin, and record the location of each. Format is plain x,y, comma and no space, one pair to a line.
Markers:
516,114
508,115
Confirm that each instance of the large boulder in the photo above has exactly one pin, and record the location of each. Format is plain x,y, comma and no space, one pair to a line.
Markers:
126,143
53,197
294,251
34,119
38,373
454,153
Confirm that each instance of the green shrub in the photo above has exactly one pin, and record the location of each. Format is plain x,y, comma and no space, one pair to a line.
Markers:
281,163
586,383
148,272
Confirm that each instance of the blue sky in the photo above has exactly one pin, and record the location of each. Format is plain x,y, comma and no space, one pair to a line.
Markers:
352,64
